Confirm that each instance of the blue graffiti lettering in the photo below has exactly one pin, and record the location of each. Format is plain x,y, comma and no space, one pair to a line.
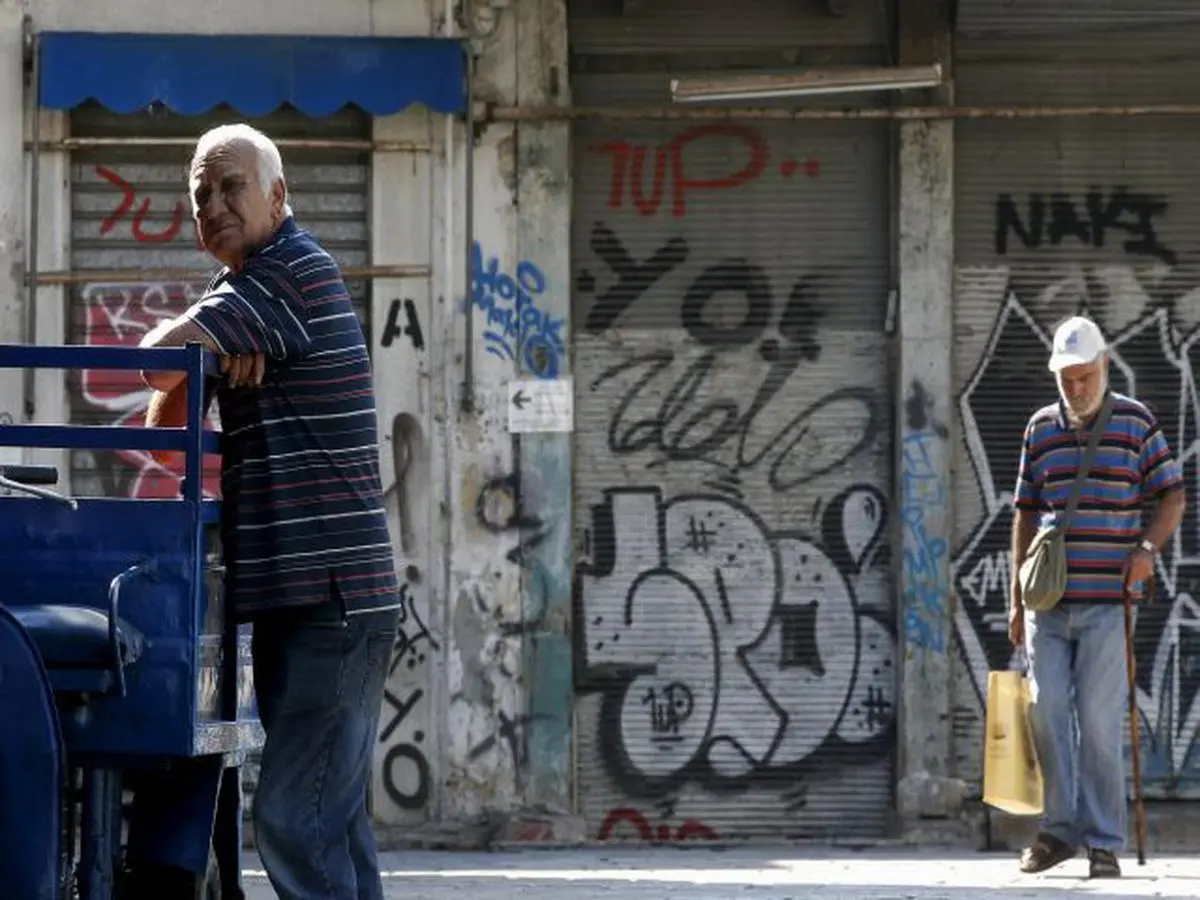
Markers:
923,492
516,327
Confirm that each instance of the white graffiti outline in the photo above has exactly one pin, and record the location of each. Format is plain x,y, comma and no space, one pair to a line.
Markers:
740,707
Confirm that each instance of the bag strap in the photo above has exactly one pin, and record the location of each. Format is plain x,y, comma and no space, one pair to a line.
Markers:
1085,464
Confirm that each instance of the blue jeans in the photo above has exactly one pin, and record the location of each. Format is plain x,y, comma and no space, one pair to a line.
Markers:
1080,696
319,683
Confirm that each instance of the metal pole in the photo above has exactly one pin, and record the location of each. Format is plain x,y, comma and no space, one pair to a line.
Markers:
468,385
35,126
142,276
683,113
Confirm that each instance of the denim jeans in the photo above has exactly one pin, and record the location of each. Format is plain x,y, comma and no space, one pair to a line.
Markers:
1080,696
319,683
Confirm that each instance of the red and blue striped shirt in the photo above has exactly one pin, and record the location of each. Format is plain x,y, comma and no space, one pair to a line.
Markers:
302,504
1133,463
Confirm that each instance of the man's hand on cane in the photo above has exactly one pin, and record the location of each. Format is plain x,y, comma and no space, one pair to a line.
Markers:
1137,569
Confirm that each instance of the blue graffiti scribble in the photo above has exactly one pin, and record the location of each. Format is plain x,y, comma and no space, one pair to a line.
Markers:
922,491
516,327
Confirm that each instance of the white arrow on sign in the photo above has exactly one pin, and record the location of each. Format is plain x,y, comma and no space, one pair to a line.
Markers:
541,405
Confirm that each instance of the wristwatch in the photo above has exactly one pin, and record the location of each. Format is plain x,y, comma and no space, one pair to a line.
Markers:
1148,546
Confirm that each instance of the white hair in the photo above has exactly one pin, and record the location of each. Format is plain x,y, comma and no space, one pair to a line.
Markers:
270,163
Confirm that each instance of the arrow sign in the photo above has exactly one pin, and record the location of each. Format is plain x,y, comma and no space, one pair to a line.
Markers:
541,405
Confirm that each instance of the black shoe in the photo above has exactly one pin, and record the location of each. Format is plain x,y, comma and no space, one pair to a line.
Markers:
1045,853
1103,864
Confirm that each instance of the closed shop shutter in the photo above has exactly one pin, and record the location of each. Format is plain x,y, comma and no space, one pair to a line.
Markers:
1122,22
732,449
130,211
1055,216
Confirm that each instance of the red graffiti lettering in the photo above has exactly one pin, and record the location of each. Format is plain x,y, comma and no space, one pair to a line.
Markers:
128,197
628,167
662,834
119,315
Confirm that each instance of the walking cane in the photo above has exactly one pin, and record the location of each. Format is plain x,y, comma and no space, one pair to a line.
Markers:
1135,729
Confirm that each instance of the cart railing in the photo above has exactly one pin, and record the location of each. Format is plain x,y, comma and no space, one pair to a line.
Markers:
193,440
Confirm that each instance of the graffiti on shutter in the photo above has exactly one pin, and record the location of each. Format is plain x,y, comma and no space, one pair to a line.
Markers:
732,474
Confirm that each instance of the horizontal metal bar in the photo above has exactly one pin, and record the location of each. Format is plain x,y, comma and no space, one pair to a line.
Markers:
684,113
145,276
127,359
104,437
367,146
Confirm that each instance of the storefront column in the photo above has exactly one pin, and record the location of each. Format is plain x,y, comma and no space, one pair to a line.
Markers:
924,423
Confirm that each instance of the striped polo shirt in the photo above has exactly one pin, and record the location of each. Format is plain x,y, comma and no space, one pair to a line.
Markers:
1133,463
302,507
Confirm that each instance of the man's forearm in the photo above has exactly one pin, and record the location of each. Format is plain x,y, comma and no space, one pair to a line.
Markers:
1167,517
1024,527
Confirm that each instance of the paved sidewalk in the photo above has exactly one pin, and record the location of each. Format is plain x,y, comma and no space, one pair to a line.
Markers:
803,873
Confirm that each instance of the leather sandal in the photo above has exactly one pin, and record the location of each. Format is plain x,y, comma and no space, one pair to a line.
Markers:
1103,864
1044,853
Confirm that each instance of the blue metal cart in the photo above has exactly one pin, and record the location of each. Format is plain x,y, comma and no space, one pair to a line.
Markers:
118,664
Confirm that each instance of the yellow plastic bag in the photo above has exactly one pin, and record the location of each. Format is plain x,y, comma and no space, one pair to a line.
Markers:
1012,775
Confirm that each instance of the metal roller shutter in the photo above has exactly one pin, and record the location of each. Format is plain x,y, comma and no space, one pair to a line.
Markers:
1054,216
130,211
1075,19
732,463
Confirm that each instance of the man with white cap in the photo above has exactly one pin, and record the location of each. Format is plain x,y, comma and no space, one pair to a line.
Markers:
1076,649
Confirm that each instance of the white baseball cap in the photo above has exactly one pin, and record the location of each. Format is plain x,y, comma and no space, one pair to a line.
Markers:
1077,341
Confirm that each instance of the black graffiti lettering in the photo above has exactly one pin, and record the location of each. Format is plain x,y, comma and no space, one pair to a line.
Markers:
669,709
681,431
734,276
877,707
392,328
410,635
498,509
1122,210
401,709
511,732
800,320
699,535
633,278
797,324
1008,218
1134,214
798,638
410,798
415,795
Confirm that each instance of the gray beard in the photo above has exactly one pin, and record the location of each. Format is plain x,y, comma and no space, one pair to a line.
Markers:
1078,417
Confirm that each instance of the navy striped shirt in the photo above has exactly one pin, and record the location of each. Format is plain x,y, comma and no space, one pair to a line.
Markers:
302,505
1133,463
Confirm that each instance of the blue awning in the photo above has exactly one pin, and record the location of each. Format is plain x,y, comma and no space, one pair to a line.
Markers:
255,74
